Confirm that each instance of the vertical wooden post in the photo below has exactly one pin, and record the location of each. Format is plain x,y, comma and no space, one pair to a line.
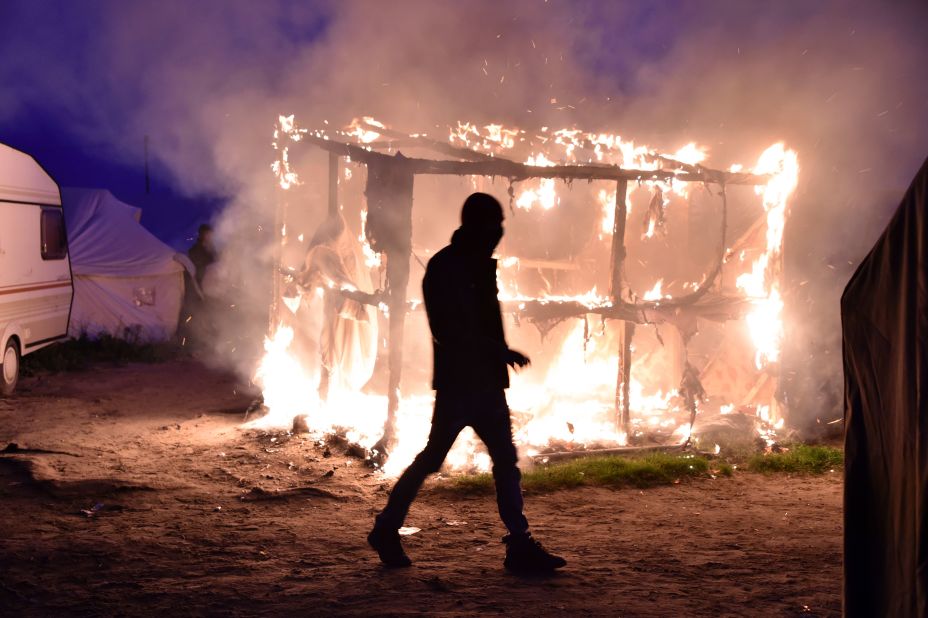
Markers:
617,284
389,226
625,378
618,242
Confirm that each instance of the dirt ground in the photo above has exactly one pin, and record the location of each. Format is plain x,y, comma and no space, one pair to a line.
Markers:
157,502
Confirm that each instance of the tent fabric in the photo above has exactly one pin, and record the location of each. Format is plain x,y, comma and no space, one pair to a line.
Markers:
143,308
127,283
884,318
105,237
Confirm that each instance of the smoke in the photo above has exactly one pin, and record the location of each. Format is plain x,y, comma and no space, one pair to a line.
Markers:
841,83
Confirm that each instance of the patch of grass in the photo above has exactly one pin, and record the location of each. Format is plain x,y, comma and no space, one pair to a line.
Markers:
798,459
611,471
82,353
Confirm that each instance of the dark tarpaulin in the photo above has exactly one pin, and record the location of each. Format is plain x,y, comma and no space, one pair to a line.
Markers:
883,314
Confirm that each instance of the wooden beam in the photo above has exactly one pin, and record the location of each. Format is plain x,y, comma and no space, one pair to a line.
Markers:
720,309
546,264
625,379
497,166
397,138
389,194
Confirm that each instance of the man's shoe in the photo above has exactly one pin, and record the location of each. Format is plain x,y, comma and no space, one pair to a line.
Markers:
388,546
526,555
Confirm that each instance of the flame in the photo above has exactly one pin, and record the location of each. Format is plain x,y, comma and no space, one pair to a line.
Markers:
544,192
607,202
371,257
286,177
691,154
761,284
655,292
364,134
568,402
499,134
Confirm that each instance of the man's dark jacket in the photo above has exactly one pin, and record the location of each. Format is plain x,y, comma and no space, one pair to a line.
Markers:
464,315
202,257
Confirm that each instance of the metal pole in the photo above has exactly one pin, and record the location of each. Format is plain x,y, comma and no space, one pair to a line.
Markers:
147,179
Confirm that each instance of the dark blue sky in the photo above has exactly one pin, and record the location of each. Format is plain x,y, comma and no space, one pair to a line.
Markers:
74,161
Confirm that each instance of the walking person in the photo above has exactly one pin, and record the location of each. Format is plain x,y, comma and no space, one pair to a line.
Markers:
194,321
470,377
202,253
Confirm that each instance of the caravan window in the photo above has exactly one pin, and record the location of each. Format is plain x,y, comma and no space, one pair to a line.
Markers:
54,244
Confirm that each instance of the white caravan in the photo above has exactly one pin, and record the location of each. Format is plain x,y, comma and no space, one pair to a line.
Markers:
35,272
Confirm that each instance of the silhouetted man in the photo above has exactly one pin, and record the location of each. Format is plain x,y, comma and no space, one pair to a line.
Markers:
194,317
470,375
202,253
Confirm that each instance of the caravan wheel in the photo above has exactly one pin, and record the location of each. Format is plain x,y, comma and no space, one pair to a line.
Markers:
9,370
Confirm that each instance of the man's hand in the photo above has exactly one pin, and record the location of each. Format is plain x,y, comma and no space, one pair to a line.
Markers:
517,359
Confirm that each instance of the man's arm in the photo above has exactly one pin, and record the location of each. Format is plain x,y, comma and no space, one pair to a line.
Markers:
454,323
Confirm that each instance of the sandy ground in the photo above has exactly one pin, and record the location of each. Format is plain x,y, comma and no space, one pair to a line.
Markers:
187,514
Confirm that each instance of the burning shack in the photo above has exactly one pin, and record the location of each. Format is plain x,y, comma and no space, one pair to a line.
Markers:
648,286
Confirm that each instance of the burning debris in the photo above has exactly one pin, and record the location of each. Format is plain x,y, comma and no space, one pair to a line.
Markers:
610,381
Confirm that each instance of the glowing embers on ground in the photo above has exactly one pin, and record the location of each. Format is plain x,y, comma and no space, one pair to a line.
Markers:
291,389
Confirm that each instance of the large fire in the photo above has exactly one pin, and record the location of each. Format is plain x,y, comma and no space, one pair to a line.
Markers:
569,401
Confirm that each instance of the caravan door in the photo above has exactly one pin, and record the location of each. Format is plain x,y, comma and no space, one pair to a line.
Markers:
35,272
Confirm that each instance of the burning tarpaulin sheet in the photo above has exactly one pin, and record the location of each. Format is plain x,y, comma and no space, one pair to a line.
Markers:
349,333
885,322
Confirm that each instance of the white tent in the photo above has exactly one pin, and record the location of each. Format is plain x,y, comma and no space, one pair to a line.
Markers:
127,283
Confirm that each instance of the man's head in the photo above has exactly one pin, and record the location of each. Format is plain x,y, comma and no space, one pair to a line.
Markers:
205,234
482,222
